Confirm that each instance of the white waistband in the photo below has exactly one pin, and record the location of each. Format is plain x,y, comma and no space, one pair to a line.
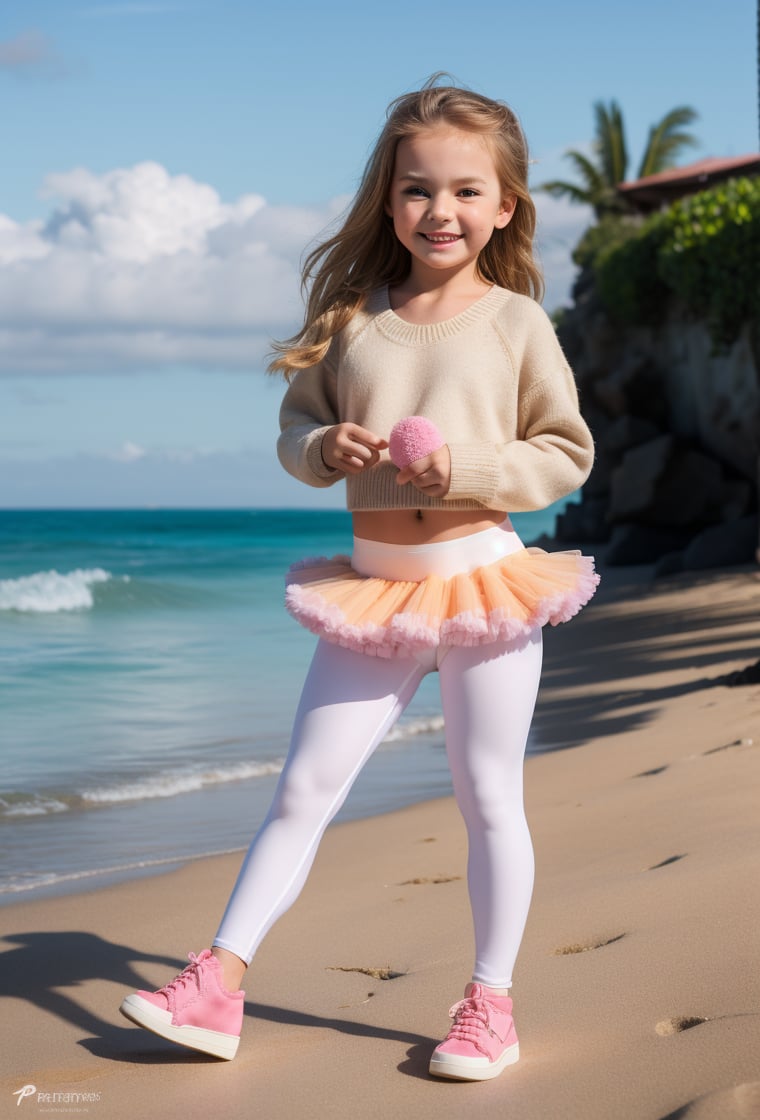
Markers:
440,558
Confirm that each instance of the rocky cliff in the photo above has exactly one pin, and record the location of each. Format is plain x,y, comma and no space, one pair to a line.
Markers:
677,428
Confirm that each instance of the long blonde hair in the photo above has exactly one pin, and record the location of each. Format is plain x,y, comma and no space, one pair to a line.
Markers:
365,253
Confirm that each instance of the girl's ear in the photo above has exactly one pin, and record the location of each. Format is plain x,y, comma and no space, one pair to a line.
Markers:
506,213
388,209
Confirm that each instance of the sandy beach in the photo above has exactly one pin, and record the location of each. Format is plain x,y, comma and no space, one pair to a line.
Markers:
636,996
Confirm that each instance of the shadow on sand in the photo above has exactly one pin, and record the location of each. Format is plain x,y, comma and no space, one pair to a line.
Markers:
632,646
43,968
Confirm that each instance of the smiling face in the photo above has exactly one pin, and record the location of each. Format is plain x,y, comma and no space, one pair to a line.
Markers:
446,199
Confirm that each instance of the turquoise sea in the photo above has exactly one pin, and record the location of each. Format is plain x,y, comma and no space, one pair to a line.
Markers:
148,678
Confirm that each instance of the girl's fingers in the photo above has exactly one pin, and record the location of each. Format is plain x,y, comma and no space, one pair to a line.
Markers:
352,464
356,457
432,474
351,448
368,439
364,456
361,441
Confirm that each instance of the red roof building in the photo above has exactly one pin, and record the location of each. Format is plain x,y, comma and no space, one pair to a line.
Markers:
655,191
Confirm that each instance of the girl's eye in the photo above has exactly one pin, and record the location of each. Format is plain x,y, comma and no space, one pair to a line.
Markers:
422,192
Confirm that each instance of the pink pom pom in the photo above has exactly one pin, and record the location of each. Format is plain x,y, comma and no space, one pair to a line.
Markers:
413,438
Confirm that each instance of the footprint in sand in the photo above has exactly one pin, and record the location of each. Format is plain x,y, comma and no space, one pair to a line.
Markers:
586,946
385,973
665,862
680,1023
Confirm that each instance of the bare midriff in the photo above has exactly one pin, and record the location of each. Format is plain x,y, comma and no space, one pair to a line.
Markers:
411,526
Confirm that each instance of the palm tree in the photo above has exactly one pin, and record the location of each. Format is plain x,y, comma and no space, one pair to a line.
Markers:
600,175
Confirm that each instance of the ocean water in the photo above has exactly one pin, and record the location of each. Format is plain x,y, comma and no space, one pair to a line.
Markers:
148,679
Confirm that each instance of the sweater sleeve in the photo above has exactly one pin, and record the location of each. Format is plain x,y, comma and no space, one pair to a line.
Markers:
553,452
308,409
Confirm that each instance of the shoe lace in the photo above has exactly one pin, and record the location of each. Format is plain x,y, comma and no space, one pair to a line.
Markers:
188,975
471,1017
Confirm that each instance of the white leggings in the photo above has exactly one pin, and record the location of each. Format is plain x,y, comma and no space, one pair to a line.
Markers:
349,703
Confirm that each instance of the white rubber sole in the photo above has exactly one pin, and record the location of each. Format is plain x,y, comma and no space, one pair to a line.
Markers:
144,1014
472,1069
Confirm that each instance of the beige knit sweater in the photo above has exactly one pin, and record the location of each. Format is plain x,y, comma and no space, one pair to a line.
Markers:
493,379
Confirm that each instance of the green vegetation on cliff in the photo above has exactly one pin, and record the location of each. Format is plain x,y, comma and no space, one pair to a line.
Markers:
702,252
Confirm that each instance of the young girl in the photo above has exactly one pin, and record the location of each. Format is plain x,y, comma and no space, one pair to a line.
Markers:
423,305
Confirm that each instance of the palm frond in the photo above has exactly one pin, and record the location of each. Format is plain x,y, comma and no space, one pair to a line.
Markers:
666,140
559,188
609,142
600,174
587,170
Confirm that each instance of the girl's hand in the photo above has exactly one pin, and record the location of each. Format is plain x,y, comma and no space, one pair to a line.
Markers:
351,449
431,475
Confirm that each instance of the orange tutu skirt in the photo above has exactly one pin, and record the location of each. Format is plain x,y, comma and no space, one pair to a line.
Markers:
501,601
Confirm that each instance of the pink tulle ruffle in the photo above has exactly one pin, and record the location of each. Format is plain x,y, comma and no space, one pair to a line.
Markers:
501,601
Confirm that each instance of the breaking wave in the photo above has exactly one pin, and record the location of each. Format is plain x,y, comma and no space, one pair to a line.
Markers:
50,592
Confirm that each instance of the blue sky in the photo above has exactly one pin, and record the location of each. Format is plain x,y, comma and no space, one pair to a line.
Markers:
166,164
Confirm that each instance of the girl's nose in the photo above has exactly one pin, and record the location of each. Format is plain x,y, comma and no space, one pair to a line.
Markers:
438,211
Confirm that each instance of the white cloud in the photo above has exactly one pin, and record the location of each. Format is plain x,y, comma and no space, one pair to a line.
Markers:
138,214
20,242
137,268
559,227
129,452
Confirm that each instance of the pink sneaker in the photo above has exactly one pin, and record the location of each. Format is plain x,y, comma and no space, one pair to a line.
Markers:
195,1009
482,1039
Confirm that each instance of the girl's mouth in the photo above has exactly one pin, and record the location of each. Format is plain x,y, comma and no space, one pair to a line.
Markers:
441,238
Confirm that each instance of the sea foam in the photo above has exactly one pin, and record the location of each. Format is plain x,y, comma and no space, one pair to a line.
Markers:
49,592
32,881
173,783
411,728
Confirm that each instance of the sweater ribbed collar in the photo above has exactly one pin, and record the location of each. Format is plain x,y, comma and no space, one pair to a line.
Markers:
394,327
